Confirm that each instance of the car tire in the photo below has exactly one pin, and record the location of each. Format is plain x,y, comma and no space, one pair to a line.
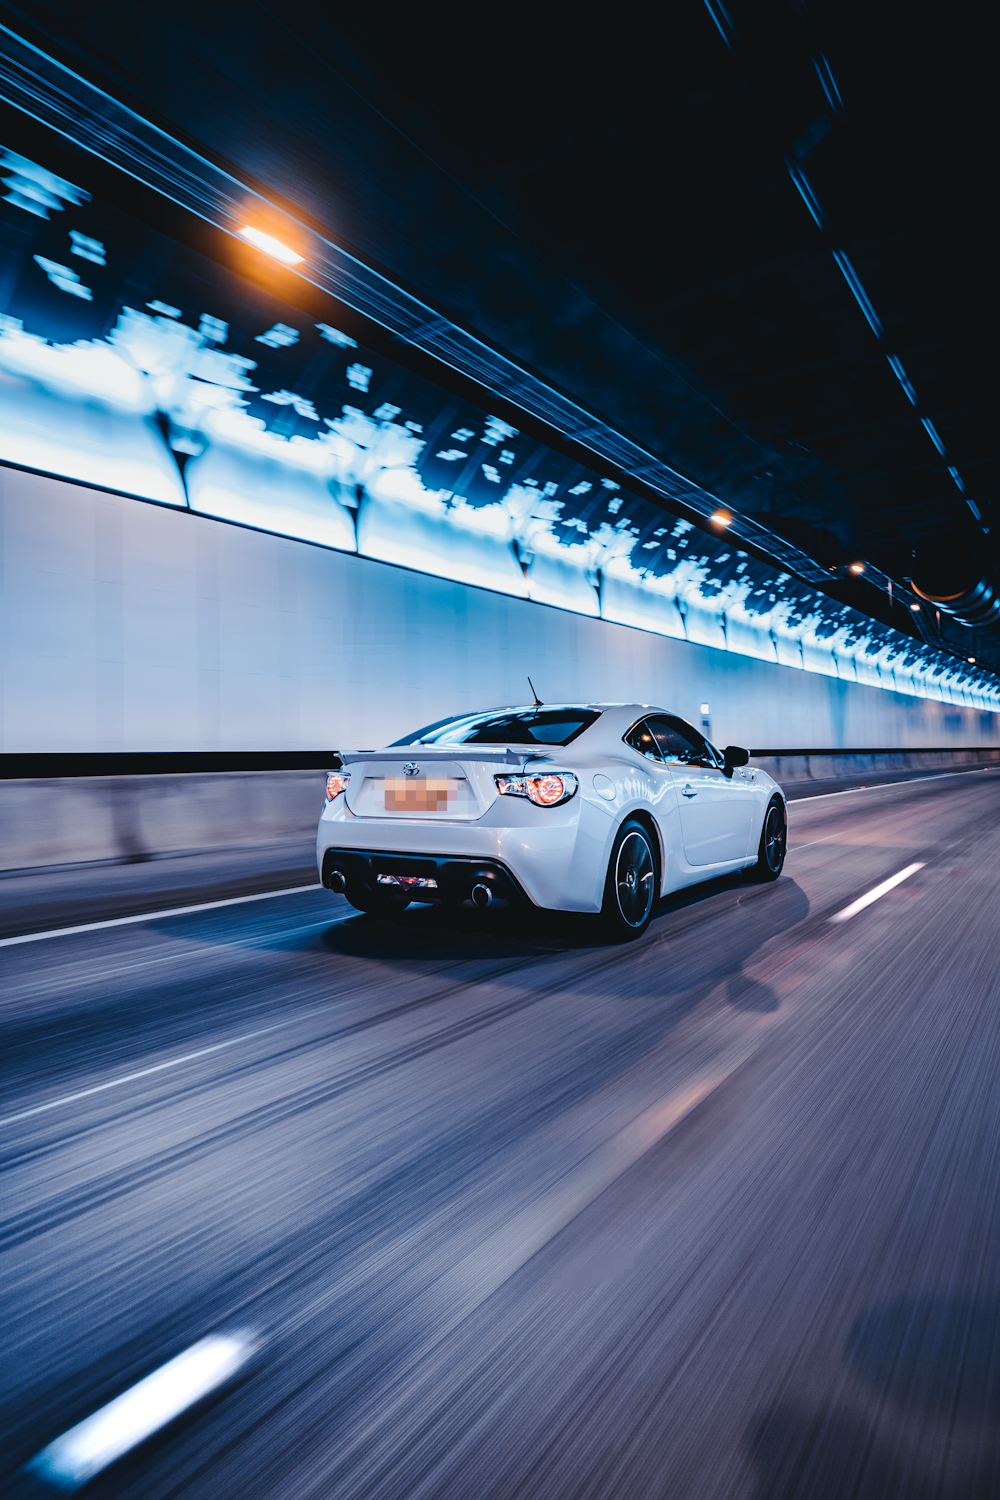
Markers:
632,883
773,843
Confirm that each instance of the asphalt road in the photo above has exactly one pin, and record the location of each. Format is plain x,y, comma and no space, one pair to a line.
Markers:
497,1210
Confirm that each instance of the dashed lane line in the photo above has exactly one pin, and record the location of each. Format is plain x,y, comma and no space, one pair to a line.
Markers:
153,916
873,895
174,1062
89,1447
84,1451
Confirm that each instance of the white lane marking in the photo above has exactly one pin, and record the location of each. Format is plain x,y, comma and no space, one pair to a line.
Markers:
82,1452
175,1062
153,916
884,786
880,890
75,1457
792,847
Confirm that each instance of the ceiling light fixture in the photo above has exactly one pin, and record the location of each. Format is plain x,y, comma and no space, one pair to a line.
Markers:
271,246
857,567
721,519
915,608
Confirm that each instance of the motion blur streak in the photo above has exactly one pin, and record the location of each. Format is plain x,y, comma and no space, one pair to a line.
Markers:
117,1083
174,911
713,1215
134,1416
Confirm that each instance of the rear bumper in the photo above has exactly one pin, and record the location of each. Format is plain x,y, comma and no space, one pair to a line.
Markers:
556,857
455,877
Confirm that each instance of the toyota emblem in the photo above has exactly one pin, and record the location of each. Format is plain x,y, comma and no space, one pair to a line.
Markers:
411,768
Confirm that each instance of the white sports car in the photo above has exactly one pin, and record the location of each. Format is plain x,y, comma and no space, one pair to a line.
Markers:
571,807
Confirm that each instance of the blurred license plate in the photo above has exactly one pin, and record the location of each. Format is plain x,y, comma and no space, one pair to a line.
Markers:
420,794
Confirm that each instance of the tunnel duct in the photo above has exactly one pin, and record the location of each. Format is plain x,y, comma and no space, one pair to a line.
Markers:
953,579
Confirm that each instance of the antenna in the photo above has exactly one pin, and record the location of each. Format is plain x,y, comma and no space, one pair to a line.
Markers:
538,701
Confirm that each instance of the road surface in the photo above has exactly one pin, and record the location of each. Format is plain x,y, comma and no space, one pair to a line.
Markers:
492,1209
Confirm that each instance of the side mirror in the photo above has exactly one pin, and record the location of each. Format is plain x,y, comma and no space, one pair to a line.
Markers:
734,755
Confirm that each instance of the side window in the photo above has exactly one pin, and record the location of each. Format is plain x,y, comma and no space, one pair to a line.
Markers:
640,739
680,744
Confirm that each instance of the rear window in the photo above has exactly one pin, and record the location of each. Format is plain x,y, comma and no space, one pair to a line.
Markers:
510,726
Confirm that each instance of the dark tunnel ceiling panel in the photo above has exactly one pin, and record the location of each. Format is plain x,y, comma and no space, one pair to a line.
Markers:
615,211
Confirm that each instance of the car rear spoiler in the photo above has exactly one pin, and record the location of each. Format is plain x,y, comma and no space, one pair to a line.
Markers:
507,756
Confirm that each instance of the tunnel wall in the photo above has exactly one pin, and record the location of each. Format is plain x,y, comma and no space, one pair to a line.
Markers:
130,626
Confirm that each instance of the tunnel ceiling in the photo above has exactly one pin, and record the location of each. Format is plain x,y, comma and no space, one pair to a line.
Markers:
752,237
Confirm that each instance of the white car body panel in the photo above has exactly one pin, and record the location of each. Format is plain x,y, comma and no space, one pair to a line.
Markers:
707,824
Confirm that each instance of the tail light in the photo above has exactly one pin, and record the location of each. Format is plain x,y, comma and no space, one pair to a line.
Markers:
337,782
546,790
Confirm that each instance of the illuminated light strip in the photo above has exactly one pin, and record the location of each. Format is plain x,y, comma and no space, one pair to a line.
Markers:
723,21
861,297
82,1452
152,916
880,890
933,434
828,82
807,193
271,246
904,380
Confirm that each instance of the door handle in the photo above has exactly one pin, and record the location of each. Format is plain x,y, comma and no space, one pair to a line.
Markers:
689,791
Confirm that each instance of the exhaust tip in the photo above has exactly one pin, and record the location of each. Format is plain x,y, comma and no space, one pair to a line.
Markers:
337,881
481,895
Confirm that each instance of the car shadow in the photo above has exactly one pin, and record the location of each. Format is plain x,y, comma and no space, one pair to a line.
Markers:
746,916
835,1453
928,1371
454,933
937,1354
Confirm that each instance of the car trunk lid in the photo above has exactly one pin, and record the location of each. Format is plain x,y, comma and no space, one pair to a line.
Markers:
427,784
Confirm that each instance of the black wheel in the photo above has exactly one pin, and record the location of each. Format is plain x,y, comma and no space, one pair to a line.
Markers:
773,841
631,887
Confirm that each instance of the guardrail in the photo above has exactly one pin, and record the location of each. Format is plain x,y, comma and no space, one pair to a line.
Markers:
65,810
793,767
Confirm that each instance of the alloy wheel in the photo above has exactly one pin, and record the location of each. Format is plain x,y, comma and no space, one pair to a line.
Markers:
635,874
774,838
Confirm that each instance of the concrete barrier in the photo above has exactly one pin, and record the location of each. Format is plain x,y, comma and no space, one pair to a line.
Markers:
64,820
76,819
795,767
